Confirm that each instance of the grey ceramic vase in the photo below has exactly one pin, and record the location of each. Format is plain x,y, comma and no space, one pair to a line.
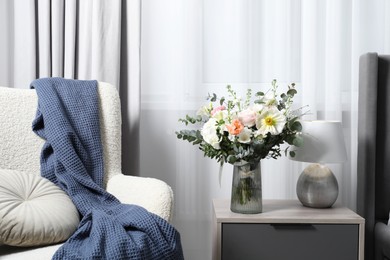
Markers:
317,187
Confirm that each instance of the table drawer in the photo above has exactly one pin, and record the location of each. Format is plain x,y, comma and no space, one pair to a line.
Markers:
289,241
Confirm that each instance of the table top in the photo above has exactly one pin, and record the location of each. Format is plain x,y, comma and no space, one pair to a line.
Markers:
286,211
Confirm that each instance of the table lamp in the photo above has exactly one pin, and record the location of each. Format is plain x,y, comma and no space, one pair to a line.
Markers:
323,142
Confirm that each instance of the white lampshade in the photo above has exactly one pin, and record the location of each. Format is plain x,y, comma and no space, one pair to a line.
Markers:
323,142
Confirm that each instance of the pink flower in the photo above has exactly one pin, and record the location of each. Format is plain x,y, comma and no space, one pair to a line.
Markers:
247,117
215,110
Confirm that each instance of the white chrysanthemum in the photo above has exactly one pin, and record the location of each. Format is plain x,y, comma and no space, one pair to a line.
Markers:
209,133
270,121
270,99
205,110
245,136
221,115
257,108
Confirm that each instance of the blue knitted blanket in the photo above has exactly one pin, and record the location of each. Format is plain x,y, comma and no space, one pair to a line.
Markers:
68,119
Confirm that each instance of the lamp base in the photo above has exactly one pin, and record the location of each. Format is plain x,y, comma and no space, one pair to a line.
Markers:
317,187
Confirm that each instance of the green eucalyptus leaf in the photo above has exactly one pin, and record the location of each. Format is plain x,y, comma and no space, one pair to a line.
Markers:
290,139
291,92
286,150
293,120
214,98
296,126
274,82
231,159
298,141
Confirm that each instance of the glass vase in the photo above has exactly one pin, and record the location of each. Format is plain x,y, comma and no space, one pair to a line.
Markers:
246,188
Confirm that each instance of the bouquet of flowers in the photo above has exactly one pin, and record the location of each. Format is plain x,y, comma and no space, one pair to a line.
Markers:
244,131
235,130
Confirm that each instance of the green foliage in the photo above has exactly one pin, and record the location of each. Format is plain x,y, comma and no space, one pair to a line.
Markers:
192,136
190,120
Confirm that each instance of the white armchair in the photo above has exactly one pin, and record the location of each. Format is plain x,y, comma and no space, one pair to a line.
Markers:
20,150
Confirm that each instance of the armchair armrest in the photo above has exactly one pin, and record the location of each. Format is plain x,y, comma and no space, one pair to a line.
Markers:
152,194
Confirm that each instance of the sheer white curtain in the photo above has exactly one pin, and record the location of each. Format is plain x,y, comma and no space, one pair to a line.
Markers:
192,48
86,39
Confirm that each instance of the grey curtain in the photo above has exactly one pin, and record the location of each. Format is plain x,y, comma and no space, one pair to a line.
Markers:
88,39
373,190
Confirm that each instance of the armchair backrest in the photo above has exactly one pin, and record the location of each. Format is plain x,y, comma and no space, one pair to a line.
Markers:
20,147
373,187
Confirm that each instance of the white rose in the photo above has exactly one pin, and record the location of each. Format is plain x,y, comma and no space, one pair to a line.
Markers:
209,133
245,136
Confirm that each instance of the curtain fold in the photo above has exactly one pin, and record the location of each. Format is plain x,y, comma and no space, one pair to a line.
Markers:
75,39
191,48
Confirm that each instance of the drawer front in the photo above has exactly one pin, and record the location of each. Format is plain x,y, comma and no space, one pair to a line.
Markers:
290,241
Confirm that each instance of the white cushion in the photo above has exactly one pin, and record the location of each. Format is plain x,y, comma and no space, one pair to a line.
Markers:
34,211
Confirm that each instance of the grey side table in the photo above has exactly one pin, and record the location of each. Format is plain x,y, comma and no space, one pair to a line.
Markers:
287,230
